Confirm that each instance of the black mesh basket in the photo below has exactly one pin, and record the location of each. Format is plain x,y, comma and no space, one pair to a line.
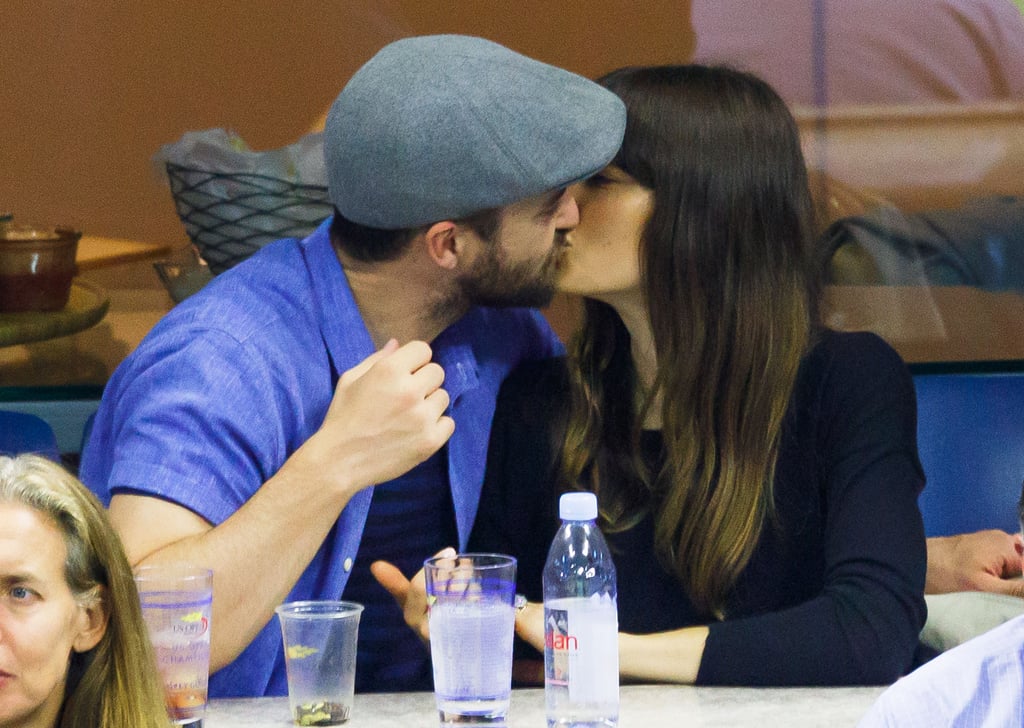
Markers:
229,216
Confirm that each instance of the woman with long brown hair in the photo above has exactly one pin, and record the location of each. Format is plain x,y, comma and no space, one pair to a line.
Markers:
757,473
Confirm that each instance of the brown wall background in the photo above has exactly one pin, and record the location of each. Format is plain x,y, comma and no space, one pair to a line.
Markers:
92,89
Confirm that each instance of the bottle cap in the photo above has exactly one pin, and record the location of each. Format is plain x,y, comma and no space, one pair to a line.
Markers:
577,507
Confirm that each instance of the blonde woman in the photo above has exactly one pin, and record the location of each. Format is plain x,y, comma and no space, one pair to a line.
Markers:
74,652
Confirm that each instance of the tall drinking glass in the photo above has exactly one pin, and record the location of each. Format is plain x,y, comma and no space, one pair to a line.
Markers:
176,603
472,622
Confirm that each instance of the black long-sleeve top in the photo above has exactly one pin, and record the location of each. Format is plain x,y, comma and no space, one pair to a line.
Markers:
833,594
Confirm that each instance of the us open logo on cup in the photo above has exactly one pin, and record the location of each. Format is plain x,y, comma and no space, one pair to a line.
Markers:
193,624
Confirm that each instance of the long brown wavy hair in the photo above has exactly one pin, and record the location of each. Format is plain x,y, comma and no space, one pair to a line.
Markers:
730,280
115,684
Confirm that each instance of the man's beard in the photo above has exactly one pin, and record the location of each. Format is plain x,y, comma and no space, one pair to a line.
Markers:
492,282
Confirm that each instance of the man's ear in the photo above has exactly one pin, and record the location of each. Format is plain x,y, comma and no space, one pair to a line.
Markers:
443,245
92,622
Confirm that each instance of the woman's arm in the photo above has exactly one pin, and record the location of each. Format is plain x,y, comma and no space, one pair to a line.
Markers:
864,611
669,657
665,657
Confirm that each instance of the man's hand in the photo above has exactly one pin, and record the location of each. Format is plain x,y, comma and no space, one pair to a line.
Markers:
982,561
411,594
387,416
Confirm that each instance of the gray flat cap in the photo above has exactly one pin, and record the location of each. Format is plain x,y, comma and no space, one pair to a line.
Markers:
437,127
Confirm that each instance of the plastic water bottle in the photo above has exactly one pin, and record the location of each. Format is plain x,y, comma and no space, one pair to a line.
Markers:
581,630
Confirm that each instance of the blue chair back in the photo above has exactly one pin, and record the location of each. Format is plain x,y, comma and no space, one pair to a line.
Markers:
21,432
970,430
87,431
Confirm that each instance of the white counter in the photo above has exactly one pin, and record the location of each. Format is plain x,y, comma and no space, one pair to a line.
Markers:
648,706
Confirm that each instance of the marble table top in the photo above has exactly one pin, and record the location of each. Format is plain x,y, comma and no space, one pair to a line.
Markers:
647,706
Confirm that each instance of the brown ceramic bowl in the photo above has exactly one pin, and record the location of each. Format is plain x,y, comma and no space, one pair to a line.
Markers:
36,267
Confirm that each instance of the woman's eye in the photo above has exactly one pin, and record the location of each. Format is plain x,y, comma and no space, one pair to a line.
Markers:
598,180
20,593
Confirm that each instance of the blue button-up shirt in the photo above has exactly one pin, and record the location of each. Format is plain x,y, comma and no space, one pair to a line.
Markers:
233,380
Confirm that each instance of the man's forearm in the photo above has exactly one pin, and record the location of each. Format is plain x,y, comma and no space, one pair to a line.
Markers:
386,417
256,555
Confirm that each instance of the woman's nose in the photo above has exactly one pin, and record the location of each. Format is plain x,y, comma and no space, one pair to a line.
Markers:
568,214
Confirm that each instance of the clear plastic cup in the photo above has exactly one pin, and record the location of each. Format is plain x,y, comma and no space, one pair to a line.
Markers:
320,658
176,605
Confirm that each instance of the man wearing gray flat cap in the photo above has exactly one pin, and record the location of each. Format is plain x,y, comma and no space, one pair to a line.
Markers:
327,403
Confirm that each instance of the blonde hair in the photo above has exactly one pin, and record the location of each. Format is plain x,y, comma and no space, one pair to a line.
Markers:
115,684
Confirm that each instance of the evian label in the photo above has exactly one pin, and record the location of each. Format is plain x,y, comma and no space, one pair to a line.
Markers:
581,637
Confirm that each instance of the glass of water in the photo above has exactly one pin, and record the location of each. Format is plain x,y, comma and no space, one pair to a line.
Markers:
472,622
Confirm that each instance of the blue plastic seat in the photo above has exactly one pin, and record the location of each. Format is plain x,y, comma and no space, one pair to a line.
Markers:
87,431
21,432
971,440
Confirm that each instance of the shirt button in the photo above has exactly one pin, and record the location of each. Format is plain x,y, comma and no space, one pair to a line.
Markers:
348,564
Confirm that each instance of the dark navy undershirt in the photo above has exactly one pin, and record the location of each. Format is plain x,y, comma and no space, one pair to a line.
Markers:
408,521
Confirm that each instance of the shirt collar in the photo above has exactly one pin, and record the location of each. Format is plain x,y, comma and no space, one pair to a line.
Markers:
345,335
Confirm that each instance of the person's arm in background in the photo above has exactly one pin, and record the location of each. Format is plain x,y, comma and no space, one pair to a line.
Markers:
386,416
988,561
